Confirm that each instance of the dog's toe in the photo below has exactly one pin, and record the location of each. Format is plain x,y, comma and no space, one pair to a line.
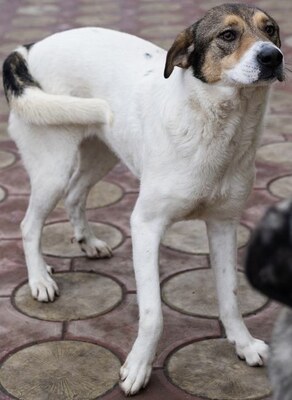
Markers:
44,289
134,376
95,248
254,353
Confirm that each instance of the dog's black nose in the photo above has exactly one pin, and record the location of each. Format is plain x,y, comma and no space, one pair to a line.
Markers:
270,57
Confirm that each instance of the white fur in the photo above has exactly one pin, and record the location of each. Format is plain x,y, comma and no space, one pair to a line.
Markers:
191,144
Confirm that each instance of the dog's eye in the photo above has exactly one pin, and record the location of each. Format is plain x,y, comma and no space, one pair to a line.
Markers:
228,36
270,30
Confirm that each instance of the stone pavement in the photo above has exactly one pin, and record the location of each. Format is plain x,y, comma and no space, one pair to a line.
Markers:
72,349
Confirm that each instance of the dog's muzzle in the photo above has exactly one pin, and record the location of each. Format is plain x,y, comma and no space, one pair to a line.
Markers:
270,60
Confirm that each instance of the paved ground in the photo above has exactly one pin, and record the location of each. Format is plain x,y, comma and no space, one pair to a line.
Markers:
72,349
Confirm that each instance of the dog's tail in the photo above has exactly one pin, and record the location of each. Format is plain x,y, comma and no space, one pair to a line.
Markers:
26,98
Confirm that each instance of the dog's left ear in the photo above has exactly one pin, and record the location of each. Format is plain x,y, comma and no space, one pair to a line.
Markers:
178,54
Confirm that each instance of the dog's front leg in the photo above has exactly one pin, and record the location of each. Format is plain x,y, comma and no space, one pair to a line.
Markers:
223,250
146,235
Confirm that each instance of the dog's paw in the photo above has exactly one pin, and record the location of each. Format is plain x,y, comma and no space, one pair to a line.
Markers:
255,353
134,375
95,248
44,288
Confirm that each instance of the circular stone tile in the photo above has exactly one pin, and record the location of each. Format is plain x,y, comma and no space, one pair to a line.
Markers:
64,370
191,237
2,194
278,153
57,238
3,132
6,159
101,195
282,187
194,293
278,124
211,369
83,295
288,41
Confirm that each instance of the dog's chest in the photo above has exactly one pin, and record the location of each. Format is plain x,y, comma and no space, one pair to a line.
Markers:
218,172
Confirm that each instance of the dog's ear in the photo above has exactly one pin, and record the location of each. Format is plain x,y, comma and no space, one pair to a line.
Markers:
178,54
269,256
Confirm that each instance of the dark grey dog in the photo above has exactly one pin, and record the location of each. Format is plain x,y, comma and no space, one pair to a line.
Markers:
269,269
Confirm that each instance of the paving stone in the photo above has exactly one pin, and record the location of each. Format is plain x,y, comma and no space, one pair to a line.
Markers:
38,9
29,35
162,31
191,237
119,328
17,330
278,153
64,370
278,124
57,238
31,22
227,377
15,179
6,159
153,19
101,195
154,7
83,295
194,293
282,187
288,41
3,132
92,8
121,175
281,102
2,194
98,20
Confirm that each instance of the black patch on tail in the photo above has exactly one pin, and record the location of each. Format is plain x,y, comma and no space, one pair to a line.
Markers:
16,76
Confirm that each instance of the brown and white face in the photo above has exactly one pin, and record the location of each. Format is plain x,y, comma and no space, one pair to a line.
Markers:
234,43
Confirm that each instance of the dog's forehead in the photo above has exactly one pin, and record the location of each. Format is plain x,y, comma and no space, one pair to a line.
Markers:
233,15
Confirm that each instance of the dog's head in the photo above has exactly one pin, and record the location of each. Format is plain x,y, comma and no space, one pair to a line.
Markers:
234,43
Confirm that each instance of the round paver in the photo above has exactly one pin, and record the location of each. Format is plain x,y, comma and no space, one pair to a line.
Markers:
281,102
277,153
83,295
2,194
288,41
57,238
191,237
6,159
101,195
211,369
194,293
282,187
64,370
3,132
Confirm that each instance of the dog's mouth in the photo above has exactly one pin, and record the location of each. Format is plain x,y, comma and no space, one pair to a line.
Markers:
271,76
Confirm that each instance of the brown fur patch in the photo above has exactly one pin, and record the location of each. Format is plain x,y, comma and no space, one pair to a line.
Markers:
234,20
246,43
259,19
177,55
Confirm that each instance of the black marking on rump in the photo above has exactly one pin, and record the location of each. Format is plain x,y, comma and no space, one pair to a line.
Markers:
148,55
16,76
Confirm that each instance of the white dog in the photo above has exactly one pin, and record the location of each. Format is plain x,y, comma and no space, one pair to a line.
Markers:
81,99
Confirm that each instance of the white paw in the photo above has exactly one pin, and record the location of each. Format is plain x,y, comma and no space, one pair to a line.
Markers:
254,353
95,248
44,288
134,375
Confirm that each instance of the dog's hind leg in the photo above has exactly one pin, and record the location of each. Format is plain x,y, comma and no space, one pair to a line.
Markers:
95,160
223,249
49,155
